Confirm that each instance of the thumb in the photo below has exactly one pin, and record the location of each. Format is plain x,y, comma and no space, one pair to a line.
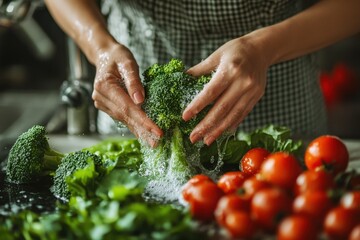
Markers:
206,66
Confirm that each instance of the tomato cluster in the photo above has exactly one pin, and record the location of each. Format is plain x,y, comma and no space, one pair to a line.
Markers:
272,194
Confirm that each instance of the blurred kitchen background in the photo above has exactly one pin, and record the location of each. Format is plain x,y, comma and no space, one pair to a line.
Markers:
34,65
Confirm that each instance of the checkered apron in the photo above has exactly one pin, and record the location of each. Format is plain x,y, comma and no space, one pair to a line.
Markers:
156,31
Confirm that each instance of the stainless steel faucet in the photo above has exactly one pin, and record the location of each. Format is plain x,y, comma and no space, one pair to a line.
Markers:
18,15
76,93
76,90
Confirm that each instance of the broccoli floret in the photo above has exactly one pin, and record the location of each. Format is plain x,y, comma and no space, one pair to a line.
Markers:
77,175
31,157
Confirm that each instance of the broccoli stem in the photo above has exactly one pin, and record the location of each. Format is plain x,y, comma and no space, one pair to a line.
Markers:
52,159
178,162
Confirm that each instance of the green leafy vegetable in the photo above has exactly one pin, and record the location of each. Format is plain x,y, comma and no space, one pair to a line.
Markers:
273,138
106,216
124,153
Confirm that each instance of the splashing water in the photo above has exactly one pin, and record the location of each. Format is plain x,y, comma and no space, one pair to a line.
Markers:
167,173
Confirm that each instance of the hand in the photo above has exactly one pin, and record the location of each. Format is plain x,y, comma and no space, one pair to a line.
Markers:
237,85
118,92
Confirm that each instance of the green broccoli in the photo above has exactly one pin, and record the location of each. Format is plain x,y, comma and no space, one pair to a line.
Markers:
31,157
78,175
169,89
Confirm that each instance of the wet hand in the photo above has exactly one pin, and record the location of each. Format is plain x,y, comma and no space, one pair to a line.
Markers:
118,92
237,84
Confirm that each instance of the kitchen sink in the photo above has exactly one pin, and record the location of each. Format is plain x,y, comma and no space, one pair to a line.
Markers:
20,110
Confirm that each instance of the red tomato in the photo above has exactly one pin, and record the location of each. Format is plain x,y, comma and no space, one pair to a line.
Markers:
269,205
328,152
231,181
252,160
253,185
331,95
351,200
204,199
339,222
280,169
314,205
297,227
314,181
355,233
186,189
230,203
240,225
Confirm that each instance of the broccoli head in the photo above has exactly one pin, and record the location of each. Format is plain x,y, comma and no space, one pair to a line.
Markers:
168,91
78,175
31,157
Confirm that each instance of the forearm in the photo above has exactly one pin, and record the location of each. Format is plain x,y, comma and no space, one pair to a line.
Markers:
83,22
316,27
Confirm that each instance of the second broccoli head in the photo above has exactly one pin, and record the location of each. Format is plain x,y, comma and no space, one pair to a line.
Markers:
31,157
168,91
78,175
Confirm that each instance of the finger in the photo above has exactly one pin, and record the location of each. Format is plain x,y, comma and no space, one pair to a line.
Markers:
209,94
216,114
233,128
237,115
118,105
129,71
143,128
206,66
221,116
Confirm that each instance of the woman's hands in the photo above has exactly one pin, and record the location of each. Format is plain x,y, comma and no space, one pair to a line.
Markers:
237,85
118,91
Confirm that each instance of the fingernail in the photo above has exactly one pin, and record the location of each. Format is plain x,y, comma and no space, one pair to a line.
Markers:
194,138
209,140
186,115
156,132
138,97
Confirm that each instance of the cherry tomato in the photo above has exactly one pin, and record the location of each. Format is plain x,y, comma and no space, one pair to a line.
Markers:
186,189
339,222
297,227
230,203
314,181
253,185
314,205
355,233
351,200
231,181
280,169
204,199
240,225
269,206
252,160
329,152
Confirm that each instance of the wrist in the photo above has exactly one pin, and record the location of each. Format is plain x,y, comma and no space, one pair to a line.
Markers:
269,44
96,41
